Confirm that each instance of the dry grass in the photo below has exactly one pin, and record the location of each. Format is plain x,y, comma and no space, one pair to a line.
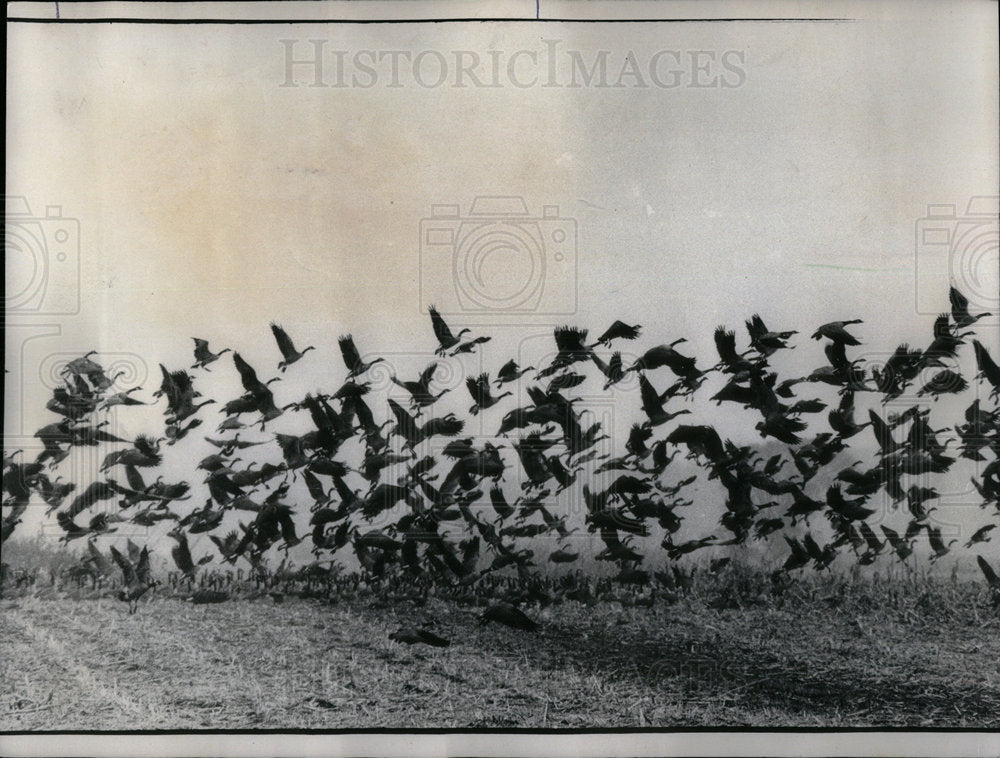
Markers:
736,651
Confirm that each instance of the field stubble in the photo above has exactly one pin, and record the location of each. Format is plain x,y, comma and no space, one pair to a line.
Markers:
826,653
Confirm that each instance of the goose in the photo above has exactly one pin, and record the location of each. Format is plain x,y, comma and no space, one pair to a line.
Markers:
288,352
960,309
763,340
842,419
991,578
946,382
258,391
612,370
937,543
137,578
980,535
469,346
729,360
837,332
901,547
420,393
145,453
570,342
352,358
618,330
479,389
446,340
122,398
11,520
652,405
511,372
203,356
987,368
181,553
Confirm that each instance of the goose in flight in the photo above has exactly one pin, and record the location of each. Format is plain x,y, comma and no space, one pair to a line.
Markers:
729,360
652,404
511,372
137,578
479,389
987,368
618,330
981,535
288,352
837,331
420,394
612,370
203,356
446,339
352,358
763,340
960,309
991,578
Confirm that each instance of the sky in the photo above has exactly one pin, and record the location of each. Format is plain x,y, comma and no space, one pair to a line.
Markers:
209,187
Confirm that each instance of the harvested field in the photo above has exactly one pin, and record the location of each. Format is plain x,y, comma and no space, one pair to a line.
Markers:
825,654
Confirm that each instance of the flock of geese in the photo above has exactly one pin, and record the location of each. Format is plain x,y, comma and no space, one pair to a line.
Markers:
444,502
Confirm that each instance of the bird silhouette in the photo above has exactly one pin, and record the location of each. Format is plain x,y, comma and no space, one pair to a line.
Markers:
288,352
618,330
446,340
479,389
137,578
203,356
352,358
960,309
511,372
837,332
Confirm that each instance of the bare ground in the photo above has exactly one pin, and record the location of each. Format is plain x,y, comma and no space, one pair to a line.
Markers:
812,660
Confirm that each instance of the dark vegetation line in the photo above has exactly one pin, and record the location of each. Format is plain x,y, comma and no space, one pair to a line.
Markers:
436,506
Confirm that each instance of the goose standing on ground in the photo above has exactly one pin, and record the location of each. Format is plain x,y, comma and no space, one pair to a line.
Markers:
203,356
287,348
